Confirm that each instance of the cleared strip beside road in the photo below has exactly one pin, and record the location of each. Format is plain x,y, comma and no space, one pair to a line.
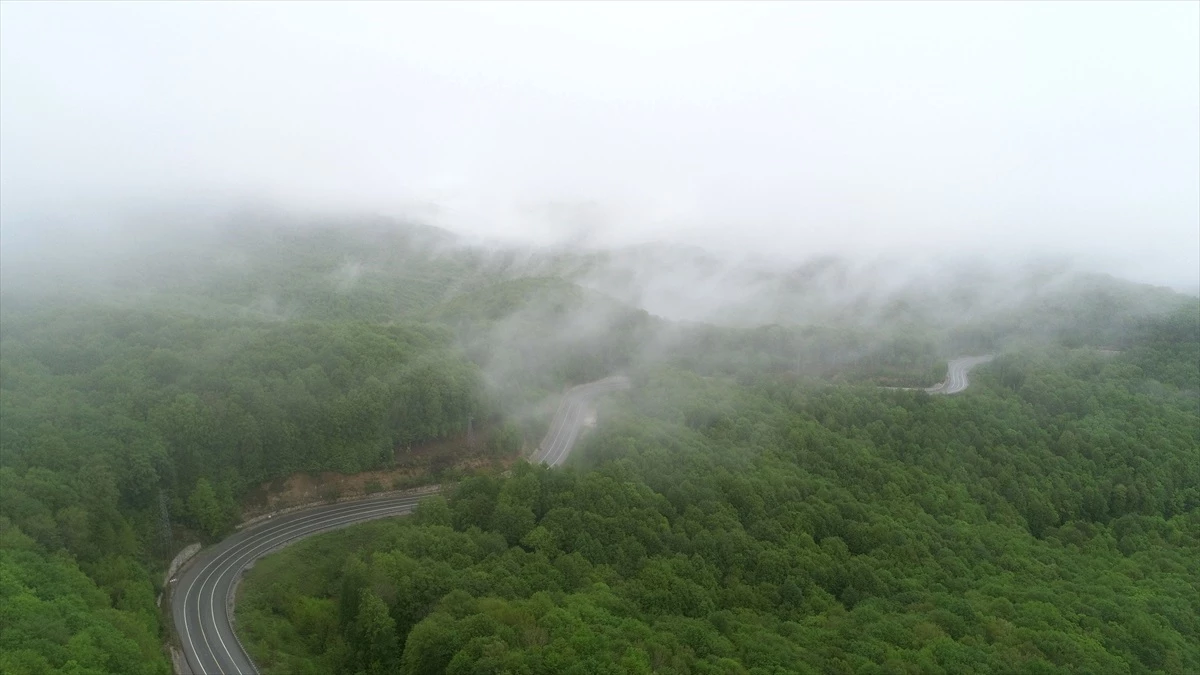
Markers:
202,597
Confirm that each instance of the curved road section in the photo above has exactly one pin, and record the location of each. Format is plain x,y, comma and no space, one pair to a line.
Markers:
202,601
203,594
956,374
568,421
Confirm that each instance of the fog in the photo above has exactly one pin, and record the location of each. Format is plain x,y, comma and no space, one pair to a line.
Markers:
781,130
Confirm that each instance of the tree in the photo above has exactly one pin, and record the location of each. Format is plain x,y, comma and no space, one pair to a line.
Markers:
506,441
373,638
205,509
354,584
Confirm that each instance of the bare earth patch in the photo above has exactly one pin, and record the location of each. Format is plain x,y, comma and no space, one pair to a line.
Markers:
421,465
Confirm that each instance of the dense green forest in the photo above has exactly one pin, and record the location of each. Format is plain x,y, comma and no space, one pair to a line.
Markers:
142,399
1046,521
120,423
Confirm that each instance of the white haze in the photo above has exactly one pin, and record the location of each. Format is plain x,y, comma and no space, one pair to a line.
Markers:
786,130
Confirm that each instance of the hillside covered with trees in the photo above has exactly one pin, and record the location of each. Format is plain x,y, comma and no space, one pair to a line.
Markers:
1046,521
145,392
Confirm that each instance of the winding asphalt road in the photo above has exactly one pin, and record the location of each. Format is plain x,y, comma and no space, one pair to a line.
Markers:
956,374
203,593
202,598
568,421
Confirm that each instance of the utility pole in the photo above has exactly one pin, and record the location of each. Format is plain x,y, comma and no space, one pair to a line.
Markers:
470,432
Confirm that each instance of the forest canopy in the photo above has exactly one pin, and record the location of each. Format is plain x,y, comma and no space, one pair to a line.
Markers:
1048,520
754,503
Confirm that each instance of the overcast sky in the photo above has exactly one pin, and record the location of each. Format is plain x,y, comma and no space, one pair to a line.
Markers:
782,128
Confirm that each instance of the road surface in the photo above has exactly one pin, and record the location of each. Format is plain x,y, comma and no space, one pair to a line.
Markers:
203,594
568,421
202,601
956,374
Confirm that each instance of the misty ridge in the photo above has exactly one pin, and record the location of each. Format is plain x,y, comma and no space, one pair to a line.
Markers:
533,317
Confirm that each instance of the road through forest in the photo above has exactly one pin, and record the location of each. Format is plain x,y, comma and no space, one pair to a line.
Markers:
203,593
568,421
956,374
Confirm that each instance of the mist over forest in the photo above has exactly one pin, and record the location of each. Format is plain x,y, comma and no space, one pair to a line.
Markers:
745,338
513,307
